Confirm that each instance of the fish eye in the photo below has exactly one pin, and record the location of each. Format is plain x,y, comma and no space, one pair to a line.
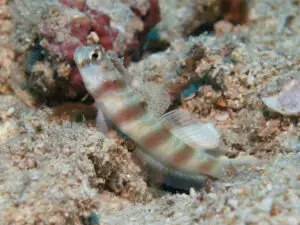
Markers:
95,55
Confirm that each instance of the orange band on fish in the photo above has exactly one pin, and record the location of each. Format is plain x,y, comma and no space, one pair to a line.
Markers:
181,157
108,86
128,114
156,138
207,167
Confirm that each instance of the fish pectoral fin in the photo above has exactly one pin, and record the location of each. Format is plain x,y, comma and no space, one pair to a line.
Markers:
101,123
195,134
179,118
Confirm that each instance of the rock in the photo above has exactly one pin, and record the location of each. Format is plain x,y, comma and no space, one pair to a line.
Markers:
233,203
286,102
266,205
200,211
10,111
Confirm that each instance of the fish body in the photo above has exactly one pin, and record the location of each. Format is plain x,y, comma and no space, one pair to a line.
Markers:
178,145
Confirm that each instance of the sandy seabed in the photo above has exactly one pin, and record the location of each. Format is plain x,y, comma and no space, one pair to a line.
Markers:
54,171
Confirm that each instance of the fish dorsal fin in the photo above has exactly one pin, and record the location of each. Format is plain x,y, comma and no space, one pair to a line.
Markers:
198,135
156,96
119,65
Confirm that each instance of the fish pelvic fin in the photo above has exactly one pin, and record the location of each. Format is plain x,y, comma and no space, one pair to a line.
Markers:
161,174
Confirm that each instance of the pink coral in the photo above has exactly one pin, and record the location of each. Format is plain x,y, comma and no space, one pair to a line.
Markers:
68,48
80,27
73,23
76,78
75,32
77,4
75,27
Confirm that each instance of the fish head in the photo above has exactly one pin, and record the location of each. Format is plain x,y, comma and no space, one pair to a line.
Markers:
95,66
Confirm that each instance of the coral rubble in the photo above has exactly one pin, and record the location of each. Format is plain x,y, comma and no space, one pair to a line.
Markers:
58,27
7,53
